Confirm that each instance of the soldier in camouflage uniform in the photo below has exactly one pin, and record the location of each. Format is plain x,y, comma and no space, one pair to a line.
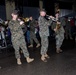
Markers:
59,37
32,33
18,39
44,33
59,31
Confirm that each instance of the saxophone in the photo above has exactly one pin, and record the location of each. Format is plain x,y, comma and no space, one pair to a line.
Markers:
58,26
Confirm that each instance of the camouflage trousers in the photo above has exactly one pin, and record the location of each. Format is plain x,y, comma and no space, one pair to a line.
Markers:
33,38
59,41
44,45
20,43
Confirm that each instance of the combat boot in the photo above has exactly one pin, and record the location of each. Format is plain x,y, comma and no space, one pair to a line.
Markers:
19,61
58,51
47,56
43,58
29,60
38,45
30,46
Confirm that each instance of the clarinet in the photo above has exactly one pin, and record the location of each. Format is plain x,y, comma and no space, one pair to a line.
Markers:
53,18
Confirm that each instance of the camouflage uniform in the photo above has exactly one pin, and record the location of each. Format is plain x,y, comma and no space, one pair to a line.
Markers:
18,39
32,32
59,35
44,33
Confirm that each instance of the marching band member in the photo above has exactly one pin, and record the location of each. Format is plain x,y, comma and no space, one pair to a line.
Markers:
32,33
59,31
44,33
18,39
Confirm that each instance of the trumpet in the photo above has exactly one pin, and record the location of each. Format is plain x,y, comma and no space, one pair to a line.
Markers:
26,19
51,17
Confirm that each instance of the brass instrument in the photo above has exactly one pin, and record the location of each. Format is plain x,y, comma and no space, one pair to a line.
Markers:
26,19
51,17
58,25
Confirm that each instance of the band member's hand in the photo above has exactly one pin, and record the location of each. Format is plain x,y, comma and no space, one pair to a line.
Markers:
21,22
58,22
6,22
55,29
51,17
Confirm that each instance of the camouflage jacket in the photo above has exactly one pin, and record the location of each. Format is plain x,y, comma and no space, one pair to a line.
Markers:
59,31
43,26
16,29
32,25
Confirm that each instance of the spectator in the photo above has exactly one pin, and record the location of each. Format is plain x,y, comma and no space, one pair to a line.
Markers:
67,28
